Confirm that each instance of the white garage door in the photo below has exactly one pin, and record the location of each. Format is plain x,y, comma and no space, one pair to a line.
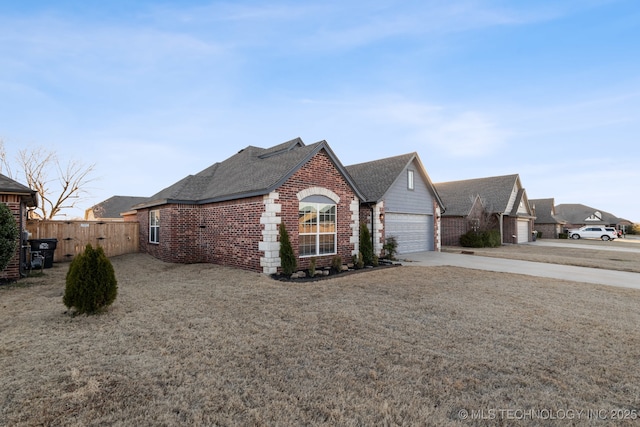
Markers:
523,231
414,232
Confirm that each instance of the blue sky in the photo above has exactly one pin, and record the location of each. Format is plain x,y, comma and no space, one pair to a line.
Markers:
151,91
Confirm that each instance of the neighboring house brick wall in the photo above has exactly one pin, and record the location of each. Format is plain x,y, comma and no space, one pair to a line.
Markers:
12,271
455,226
452,229
549,231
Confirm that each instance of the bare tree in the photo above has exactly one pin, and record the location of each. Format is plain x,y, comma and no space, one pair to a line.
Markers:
59,186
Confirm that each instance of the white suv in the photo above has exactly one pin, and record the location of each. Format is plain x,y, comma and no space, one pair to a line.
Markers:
592,232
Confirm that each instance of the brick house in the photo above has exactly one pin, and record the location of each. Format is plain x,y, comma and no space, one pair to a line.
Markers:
547,222
498,202
400,201
18,198
230,212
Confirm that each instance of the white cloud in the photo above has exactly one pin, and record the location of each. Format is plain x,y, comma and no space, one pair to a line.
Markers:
458,134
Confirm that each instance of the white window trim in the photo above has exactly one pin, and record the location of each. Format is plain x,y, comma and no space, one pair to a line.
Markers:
318,233
156,226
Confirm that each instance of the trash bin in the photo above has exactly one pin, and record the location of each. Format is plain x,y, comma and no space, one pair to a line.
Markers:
46,247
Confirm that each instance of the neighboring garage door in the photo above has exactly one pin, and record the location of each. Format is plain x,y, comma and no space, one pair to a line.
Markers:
414,232
523,231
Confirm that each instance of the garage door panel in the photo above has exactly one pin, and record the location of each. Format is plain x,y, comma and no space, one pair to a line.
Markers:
523,231
413,232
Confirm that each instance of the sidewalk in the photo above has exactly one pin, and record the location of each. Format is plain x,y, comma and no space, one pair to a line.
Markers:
598,276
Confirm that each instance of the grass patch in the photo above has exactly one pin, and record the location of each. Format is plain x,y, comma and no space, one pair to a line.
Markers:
208,345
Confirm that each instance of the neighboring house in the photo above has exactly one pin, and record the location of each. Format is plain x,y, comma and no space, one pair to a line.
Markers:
577,215
547,222
18,198
498,202
230,213
112,208
400,201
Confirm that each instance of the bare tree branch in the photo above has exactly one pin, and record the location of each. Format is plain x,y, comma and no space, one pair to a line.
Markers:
5,167
59,187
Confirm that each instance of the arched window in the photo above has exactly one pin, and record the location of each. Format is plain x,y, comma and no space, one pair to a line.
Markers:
317,226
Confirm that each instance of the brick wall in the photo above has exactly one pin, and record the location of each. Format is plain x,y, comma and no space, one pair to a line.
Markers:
319,172
12,271
549,231
229,233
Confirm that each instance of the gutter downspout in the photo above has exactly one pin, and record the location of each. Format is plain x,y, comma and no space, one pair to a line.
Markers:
500,222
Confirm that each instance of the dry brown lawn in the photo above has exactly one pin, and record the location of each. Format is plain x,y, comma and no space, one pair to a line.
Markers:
209,345
595,257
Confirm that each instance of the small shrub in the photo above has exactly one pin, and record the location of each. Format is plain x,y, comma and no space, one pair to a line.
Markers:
376,261
336,263
491,238
471,239
563,235
480,239
9,235
390,248
358,261
91,283
288,260
312,267
366,245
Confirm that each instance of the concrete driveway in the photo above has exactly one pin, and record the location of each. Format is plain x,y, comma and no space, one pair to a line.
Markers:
555,271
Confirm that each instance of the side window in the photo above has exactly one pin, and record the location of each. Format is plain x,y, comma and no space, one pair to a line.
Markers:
154,226
410,184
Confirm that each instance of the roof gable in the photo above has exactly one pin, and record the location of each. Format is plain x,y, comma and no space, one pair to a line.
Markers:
375,178
545,212
581,214
496,193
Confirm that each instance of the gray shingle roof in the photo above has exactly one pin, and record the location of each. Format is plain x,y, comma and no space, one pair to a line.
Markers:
252,171
114,206
376,177
577,214
545,211
495,192
10,186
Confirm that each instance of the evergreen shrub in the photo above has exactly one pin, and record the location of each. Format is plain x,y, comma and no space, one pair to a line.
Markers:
9,235
471,239
390,248
288,260
366,245
91,283
491,238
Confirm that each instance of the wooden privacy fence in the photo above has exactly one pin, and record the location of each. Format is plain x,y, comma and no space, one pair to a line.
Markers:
115,238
